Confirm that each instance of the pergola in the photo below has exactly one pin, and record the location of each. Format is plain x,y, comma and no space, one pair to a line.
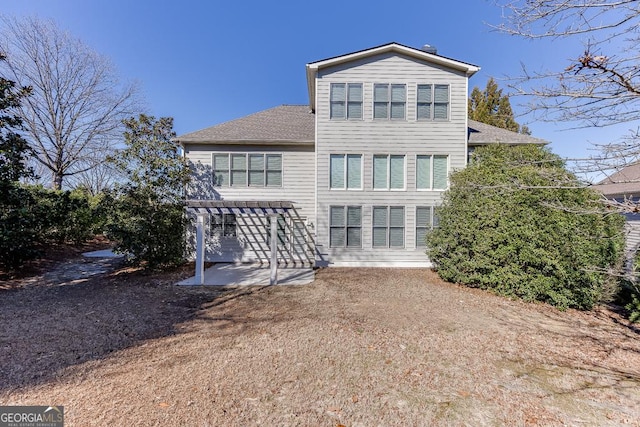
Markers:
202,208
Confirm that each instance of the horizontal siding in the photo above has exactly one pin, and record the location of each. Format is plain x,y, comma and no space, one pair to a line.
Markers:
368,137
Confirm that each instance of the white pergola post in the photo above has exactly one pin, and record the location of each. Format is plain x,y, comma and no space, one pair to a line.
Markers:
274,250
200,217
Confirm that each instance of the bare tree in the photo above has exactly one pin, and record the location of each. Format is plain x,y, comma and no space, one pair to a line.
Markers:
600,85
74,116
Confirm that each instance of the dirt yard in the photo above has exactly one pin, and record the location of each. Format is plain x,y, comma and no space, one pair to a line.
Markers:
359,347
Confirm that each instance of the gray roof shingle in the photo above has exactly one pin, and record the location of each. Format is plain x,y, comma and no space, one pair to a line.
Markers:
625,182
481,134
295,124
286,124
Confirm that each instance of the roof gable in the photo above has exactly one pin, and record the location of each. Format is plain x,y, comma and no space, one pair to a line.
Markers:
314,67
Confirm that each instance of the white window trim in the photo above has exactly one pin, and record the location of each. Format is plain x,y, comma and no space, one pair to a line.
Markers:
431,157
433,102
388,180
229,155
388,227
346,172
389,102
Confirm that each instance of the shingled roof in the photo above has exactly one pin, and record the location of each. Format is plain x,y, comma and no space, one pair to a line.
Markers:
482,134
286,124
295,125
625,182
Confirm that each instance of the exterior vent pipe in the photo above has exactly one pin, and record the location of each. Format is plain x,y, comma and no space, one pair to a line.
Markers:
430,49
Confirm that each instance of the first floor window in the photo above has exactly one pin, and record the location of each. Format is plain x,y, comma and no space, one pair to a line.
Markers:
432,172
345,171
345,226
282,226
426,220
388,227
388,172
247,169
223,225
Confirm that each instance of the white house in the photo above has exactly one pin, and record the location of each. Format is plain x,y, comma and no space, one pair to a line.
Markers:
353,177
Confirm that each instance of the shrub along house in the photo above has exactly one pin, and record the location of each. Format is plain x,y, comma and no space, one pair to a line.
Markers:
353,178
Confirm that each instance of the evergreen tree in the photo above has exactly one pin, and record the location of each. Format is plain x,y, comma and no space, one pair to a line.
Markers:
493,108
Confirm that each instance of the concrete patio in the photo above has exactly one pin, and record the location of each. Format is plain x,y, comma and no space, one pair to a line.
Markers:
229,274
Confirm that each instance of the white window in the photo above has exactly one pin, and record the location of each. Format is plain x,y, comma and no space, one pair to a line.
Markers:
433,102
388,172
346,101
426,219
388,227
432,172
282,227
223,225
345,171
247,169
389,101
345,226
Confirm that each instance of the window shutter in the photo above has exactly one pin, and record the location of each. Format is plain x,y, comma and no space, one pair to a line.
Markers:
336,165
440,165
379,172
354,103
354,171
337,95
396,164
423,172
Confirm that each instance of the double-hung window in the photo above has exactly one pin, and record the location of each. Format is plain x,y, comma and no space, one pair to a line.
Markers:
389,101
346,101
388,172
247,169
432,172
281,227
433,102
345,171
223,225
345,226
426,220
388,227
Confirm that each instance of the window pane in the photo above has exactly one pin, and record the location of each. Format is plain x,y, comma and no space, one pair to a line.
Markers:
274,179
354,171
337,237
380,110
440,111
337,110
423,216
239,161
229,225
336,166
397,110
381,93
379,171
424,111
396,164
398,93
336,216
379,237
274,162
355,92
396,216
354,237
441,94
221,162
440,164
256,178
423,172
421,236
436,220
396,237
424,93
239,178
379,216
256,162
338,92
354,110
354,216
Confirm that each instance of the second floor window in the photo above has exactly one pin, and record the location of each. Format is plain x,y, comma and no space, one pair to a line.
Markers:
247,170
433,102
346,101
345,171
389,101
388,172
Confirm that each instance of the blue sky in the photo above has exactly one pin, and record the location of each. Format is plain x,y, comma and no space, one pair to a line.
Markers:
206,62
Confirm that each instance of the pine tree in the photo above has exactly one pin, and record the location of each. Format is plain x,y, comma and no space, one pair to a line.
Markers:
493,108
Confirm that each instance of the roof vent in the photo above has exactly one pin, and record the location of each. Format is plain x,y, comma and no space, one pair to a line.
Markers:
429,49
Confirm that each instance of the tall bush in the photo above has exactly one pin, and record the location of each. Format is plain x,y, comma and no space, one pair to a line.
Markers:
515,221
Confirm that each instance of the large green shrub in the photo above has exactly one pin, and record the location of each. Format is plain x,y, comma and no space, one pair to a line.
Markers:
517,222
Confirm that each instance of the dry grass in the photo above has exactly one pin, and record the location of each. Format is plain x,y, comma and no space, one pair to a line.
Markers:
359,347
